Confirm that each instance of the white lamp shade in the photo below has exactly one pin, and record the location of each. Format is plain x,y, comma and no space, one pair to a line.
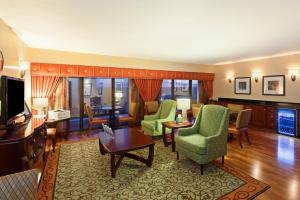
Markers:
183,104
118,94
40,102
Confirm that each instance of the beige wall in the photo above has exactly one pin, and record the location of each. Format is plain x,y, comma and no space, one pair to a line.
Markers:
271,66
12,47
61,57
13,50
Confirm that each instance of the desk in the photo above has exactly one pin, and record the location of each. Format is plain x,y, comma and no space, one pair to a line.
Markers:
22,147
51,124
173,125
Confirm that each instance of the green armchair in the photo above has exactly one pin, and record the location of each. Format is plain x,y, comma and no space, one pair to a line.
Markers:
206,140
152,124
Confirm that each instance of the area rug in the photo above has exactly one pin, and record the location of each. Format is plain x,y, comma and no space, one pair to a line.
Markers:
78,171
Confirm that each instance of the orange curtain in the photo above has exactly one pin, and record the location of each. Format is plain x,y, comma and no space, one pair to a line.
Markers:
202,93
208,87
60,97
149,89
43,86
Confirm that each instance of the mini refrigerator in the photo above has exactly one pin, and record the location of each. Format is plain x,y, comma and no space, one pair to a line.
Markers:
287,122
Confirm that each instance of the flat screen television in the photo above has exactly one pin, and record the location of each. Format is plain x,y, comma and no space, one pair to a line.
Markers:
12,99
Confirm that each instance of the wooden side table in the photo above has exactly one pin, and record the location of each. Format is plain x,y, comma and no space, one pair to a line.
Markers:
173,125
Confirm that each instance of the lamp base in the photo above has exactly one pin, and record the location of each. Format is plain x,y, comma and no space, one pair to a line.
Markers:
184,115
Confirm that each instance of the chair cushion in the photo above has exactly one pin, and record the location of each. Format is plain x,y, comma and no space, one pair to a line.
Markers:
211,119
132,109
125,119
99,121
166,108
22,185
149,125
152,106
195,143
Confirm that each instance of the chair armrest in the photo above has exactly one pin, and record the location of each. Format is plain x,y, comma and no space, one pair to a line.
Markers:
214,143
150,117
186,131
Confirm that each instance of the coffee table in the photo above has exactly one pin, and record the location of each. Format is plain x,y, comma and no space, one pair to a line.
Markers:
124,141
173,125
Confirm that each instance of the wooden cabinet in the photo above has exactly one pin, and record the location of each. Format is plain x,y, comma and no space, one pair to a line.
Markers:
258,116
271,117
264,113
22,148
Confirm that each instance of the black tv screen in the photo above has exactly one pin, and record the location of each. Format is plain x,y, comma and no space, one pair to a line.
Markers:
14,97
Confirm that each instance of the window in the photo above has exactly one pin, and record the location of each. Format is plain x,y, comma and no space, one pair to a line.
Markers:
74,103
121,95
97,93
195,91
181,89
166,90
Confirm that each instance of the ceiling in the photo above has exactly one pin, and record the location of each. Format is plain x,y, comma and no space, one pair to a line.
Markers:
189,31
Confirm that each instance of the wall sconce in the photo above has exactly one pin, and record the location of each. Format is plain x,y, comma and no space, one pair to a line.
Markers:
229,77
256,75
293,72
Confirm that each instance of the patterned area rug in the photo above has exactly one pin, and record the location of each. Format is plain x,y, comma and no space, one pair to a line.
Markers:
78,171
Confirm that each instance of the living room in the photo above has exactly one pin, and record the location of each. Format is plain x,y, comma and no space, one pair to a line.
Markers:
121,102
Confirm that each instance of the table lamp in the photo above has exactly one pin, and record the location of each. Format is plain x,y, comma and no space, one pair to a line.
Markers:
41,104
118,96
184,104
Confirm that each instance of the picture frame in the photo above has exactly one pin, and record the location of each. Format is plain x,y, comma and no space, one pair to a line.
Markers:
119,87
100,88
273,85
242,85
87,89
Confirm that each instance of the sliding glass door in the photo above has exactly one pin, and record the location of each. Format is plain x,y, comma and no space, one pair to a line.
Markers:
74,103
97,92
109,97
121,96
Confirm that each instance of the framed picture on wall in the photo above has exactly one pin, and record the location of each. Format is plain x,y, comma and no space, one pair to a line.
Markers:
242,85
100,88
87,89
274,85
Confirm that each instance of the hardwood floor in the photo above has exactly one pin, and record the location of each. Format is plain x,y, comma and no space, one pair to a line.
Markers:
271,158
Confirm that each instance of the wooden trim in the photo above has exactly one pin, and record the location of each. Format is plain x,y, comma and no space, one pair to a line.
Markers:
113,72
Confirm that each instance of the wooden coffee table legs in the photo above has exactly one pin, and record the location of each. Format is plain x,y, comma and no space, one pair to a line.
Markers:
115,165
168,141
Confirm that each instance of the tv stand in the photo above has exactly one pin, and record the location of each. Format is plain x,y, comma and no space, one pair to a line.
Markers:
22,146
